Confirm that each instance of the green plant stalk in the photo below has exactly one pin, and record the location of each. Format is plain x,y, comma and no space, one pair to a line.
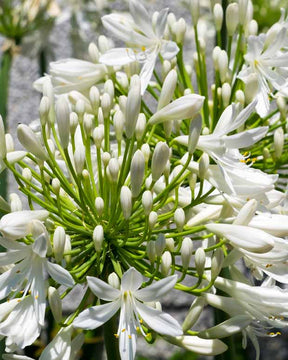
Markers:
111,342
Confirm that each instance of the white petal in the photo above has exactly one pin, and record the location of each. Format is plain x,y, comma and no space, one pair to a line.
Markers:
141,18
15,357
15,156
161,22
131,280
200,346
40,246
158,321
60,275
147,71
102,290
96,316
157,290
118,56
245,138
169,50
60,347
274,224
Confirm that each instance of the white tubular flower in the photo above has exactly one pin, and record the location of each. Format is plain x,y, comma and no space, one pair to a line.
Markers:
73,74
274,224
16,224
265,60
145,40
244,237
29,272
129,299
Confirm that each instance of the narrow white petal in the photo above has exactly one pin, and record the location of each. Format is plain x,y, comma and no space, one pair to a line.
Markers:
141,17
96,316
158,321
131,280
147,71
245,138
169,50
161,22
59,274
157,290
102,290
200,346
118,56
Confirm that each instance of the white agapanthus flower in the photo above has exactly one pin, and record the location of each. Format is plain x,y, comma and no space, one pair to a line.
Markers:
145,40
29,272
264,62
131,302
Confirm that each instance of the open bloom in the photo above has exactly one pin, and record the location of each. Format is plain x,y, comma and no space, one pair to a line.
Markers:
129,299
145,40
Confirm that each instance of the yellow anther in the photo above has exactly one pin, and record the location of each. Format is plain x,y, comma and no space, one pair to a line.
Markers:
148,334
268,265
137,328
18,272
123,330
129,337
18,300
116,336
243,161
271,333
278,333
143,48
36,297
141,321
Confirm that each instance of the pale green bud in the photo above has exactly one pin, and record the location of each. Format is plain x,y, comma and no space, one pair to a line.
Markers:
166,262
63,120
179,218
160,244
73,120
98,135
93,52
226,93
192,181
246,213
103,44
31,142
15,202
159,160
180,30
153,218
113,280
186,252
106,157
113,167
122,103
216,263
44,110
168,89
215,55
55,303
194,133
223,65
126,201
203,165
140,126
218,16
232,18
145,148
59,239
132,106
109,88
118,121
194,313
9,143
240,97
278,142
137,172
281,103
79,158
147,202
166,67
195,11
200,260
170,244
253,27
106,105
151,251
98,237
26,173
99,205
266,153
94,97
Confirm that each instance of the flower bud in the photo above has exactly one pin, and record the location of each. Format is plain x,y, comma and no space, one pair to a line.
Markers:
203,165
232,18
194,313
170,245
109,88
126,201
179,218
140,126
195,11
99,205
88,124
168,89
153,218
113,280
240,97
67,249
26,173
147,201
180,30
151,251
146,152
63,120
106,157
132,107
106,105
159,160
98,237
200,260
216,263
194,133
98,136
44,110
30,141
226,93
15,202
278,142
118,121
79,158
166,262
55,303
73,121
160,244
218,16
186,252
114,169
215,55
93,52
9,143
94,97
246,213
253,27
166,67
223,65
137,172
59,239
281,103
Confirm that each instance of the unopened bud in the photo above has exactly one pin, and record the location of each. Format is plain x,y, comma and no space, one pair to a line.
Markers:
30,142
26,173
194,133
216,263
232,18
194,313
179,218
9,143
153,218
253,27
180,30
98,237
99,205
218,16
63,120
132,107
106,105
240,97
226,93
168,89
94,97
145,148
113,169
160,244
166,262
137,172
67,249
195,11
151,251
246,213
159,160
126,201
113,280
200,260
223,65
73,119
79,158
140,126
55,303
44,110
281,103
203,165
15,202
59,239
147,202
118,121
278,142
186,252
93,52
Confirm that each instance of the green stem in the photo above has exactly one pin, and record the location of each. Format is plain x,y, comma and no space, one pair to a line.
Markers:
111,342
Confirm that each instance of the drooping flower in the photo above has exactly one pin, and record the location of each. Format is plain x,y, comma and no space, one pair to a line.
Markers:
145,41
133,310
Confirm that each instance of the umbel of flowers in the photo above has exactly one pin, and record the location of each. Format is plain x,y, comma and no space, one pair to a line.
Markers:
140,185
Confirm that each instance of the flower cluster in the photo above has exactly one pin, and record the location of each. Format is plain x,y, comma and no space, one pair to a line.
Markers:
149,182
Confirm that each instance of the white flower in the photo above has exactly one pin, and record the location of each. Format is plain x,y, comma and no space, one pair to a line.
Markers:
15,225
265,61
72,74
29,272
145,41
130,302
